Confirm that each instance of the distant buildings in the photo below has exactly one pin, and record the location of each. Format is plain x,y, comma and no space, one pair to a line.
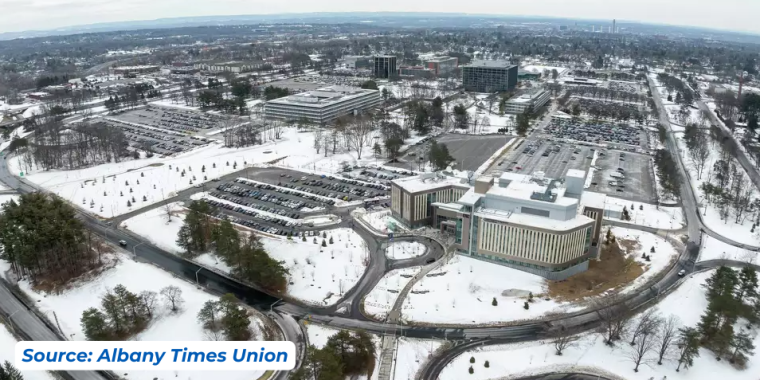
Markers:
529,100
543,226
442,65
385,66
227,67
415,72
323,105
489,76
127,70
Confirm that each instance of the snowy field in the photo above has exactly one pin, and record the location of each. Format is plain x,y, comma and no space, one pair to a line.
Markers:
667,218
488,122
319,334
405,250
166,326
380,300
714,249
7,353
321,275
674,115
380,220
462,291
98,189
591,355
739,232
411,356
155,226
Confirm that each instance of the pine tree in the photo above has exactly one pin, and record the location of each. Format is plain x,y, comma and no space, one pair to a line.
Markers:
129,204
331,240
94,325
324,243
526,306
234,321
494,302
688,347
9,372
742,346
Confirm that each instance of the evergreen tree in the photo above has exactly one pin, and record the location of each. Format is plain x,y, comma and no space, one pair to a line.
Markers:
94,325
319,364
234,321
9,372
688,347
742,347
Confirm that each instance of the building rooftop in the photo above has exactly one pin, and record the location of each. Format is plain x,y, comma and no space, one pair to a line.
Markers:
527,96
593,200
440,59
576,173
534,221
470,198
432,181
494,64
323,97
528,190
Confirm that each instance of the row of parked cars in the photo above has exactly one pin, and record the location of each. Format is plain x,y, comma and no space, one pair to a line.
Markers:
594,131
249,212
254,225
285,190
334,188
258,206
265,197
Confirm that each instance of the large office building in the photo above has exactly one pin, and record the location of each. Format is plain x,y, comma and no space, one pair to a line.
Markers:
385,66
227,67
531,100
415,72
442,65
489,76
323,105
543,226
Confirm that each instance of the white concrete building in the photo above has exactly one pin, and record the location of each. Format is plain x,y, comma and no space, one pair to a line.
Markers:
323,105
531,100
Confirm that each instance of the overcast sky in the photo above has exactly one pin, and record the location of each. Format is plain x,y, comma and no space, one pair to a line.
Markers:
738,15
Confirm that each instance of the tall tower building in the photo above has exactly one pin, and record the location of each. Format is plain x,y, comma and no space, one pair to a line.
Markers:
614,30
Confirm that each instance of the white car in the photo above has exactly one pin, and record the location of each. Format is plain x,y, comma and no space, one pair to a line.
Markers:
682,273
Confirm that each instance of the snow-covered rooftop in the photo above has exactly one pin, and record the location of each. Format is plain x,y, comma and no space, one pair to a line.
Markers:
525,190
432,181
534,221
593,200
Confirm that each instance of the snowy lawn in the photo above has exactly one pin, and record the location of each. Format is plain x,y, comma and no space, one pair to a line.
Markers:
155,226
411,356
687,302
382,297
462,291
714,249
666,218
321,275
639,242
166,326
319,334
99,189
7,353
740,232
381,220
405,250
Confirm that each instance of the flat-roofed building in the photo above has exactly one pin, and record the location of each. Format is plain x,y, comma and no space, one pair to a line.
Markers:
531,223
530,100
489,76
442,65
228,67
142,69
385,66
415,72
323,105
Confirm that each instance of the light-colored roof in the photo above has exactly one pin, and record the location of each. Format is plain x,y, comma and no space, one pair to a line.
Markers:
494,64
593,200
323,97
470,197
576,173
524,189
432,181
534,221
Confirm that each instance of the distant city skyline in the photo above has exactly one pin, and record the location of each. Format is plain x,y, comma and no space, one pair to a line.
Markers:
729,15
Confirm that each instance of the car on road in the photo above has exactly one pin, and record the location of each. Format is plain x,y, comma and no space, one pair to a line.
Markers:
122,243
682,273
430,260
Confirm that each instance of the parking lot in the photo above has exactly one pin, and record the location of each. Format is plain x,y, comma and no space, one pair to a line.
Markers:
281,201
156,140
554,159
469,151
624,175
597,132
171,119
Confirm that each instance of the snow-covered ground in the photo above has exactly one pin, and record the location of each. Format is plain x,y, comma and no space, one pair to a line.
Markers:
660,260
380,300
166,326
318,274
411,355
674,114
321,275
319,334
714,249
688,302
667,218
380,220
739,232
405,250
98,189
488,122
461,292
7,353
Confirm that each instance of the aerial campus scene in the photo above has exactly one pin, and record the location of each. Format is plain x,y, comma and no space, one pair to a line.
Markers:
486,190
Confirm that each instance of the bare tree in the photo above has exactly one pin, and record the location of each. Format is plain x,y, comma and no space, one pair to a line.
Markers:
563,339
667,334
149,299
646,325
700,153
173,296
318,139
639,351
359,133
614,316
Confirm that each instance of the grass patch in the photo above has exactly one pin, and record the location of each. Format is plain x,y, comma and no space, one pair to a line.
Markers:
617,267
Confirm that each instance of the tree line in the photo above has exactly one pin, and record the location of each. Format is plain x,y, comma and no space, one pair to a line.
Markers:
246,256
667,172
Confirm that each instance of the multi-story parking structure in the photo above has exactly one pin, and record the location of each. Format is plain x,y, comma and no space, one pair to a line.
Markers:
489,76
538,225
323,105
